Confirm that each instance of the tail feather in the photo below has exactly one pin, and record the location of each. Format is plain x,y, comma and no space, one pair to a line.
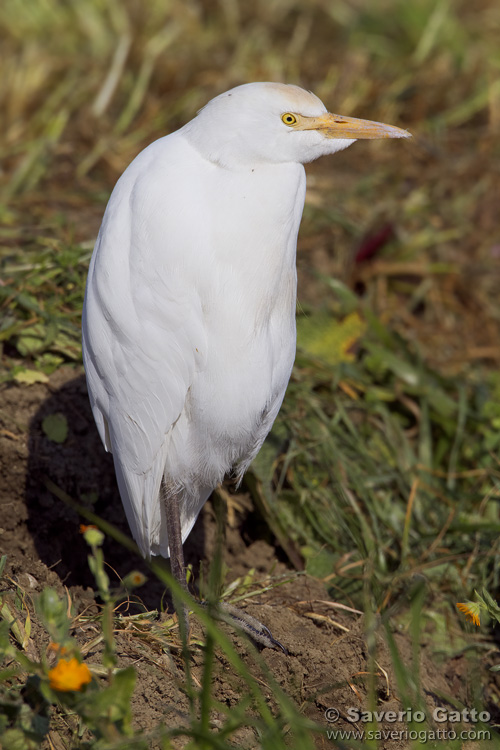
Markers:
145,507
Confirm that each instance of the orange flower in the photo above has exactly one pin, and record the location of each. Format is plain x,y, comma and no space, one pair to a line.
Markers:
471,611
60,650
135,578
69,674
85,527
92,535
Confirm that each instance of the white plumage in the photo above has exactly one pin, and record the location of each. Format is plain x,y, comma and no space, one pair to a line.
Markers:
189,314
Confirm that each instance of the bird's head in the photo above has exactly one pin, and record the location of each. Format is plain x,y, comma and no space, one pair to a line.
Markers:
272,123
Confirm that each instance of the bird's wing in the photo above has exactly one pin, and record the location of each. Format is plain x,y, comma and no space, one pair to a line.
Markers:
143,332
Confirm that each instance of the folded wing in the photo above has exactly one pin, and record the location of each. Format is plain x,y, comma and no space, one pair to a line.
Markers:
143,331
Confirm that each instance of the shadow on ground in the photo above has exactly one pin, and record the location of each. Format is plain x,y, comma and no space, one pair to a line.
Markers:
81,468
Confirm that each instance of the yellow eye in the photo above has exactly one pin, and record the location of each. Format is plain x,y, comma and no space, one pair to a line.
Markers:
288,118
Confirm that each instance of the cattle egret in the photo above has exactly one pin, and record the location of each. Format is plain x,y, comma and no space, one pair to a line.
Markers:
189,313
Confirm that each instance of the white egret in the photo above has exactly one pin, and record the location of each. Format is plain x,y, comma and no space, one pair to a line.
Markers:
189,314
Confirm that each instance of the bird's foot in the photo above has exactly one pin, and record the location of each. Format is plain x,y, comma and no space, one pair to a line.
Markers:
250,625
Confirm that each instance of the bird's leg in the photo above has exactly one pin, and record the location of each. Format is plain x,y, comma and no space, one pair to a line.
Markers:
226,612
173,520
258,632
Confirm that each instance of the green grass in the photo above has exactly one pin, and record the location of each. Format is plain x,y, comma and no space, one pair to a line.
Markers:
382,469
103,706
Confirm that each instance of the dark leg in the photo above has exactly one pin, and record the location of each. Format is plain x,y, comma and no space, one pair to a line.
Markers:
255,629
173,519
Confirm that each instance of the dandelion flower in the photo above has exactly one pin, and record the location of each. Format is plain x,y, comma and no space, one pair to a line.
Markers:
471,611
69,674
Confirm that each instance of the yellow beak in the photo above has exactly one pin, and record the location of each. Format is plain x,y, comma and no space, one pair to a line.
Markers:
338,126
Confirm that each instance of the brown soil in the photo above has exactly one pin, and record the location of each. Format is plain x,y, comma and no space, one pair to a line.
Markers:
328,661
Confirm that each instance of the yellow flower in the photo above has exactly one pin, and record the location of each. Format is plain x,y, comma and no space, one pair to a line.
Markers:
69,674
471,611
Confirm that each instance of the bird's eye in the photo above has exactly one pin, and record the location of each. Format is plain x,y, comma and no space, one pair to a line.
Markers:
288,118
